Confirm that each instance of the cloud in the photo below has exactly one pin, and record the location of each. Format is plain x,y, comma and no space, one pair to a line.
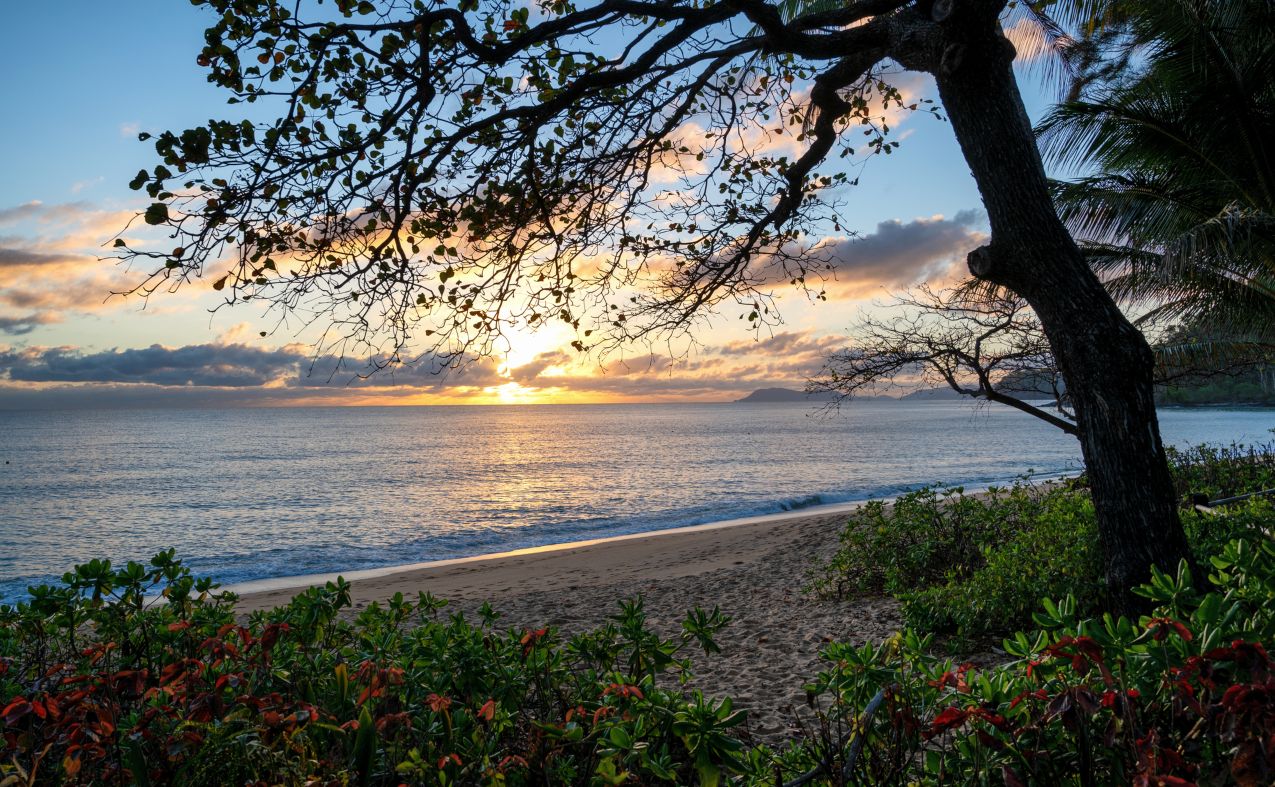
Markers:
528,372
81,185
245,374
789,344
232,366
17,326
900,254
23,212
25,258
49,259
1031,41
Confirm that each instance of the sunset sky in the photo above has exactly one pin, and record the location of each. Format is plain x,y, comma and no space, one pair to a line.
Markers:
82,79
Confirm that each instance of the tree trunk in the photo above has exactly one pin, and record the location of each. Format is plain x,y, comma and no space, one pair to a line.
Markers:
1105,361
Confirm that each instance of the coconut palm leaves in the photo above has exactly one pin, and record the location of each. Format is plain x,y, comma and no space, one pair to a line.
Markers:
1074,44
1175,202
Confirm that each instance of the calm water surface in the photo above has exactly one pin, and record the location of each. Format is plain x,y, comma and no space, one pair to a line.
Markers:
250,494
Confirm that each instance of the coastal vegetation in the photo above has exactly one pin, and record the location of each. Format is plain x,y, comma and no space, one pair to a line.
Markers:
1254,386
977,565
143,674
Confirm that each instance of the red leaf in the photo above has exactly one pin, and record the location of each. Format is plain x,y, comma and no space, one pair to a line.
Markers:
437,703
14,711
949,718
71,763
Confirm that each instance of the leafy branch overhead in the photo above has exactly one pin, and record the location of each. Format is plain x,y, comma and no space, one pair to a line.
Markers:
454,175
458,172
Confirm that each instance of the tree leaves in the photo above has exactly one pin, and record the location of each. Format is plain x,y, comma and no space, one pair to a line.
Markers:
156,214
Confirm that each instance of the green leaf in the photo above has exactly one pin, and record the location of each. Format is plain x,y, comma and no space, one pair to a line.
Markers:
157,213
365,747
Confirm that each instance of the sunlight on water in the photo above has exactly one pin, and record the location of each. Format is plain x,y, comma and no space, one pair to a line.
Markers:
247,494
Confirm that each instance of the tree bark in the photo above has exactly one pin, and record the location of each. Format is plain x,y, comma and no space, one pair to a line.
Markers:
1105,361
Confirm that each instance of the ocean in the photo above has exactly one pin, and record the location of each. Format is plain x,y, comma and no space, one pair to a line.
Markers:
259,493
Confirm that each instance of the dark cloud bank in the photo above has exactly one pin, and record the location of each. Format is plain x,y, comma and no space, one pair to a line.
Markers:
239,374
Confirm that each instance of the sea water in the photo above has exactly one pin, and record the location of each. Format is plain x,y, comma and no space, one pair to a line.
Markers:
257,493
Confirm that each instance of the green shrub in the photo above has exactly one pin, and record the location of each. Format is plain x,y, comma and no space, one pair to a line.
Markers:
1223,471
922,538
183,693
970,563
974,565
102,683
1051,552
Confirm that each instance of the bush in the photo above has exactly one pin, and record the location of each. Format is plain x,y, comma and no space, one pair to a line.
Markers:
1050,553
182,693
143,675
970,564
974,565
1183,696
1223,471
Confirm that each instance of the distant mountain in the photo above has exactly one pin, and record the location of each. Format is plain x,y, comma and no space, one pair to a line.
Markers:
933,395
1027,381
789,395
785,395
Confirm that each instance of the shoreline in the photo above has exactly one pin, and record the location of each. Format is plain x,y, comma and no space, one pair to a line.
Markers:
299,582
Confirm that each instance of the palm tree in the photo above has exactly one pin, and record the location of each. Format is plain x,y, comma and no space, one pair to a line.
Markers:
1175,204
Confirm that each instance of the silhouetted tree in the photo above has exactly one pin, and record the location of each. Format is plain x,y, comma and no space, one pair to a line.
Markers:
983,346
447,174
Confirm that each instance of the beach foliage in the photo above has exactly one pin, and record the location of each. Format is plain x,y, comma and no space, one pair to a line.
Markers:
978,564
144,675
103,685
1182,696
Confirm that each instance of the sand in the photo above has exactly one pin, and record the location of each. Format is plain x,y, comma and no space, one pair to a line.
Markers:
754,570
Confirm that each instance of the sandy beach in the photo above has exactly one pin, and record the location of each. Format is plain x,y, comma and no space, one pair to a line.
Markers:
754,570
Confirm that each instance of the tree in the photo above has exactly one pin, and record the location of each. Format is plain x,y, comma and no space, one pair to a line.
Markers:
985,346
454,173
989,345
1176,205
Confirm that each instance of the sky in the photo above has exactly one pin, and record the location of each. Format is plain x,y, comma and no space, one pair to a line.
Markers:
76,100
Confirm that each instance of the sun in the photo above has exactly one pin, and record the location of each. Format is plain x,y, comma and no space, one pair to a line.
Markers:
512,393
525,344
